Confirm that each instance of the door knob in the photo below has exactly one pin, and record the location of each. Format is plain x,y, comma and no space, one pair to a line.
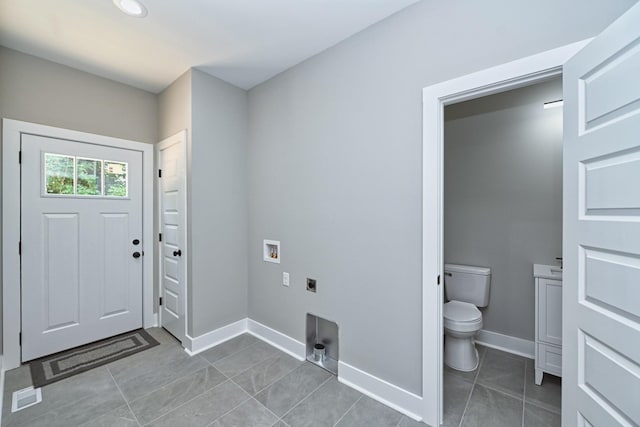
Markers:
177,253
136,254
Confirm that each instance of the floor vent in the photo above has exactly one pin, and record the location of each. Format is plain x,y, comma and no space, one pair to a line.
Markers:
26,397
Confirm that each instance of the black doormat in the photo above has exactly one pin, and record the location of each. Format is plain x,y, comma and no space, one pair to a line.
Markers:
65,364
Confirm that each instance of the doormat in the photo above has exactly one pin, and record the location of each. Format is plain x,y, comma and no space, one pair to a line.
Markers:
65,364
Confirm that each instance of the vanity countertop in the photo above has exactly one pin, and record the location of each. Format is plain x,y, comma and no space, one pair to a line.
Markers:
547,271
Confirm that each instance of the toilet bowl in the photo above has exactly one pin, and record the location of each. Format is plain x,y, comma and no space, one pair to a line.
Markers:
462,321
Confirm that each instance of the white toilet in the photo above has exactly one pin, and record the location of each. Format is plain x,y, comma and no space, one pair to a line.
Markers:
467,288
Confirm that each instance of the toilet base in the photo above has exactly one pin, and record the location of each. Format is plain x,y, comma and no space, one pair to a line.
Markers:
461,353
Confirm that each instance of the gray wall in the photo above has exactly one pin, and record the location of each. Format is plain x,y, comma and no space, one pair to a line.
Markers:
215,115
39,91
335,167
218,208
503,196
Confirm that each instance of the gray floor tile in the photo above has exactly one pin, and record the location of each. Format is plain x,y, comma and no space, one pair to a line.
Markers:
471,375
63,393
119,417
408,422
228,348
503,372
280,424
535,416
285,393
488,407
146,362
249,414
456,394
81,411
265,373
206,408
324,407
246,359
137,386
368,412
162,336
548,395
172,395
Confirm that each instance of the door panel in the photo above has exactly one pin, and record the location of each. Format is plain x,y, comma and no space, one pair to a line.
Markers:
80,282
173,253
601,321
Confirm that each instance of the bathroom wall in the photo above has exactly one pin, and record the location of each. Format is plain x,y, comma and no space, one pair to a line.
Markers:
335,168
503,196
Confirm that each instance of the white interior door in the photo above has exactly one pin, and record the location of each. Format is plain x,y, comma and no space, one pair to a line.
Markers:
81,229
172,205
601,301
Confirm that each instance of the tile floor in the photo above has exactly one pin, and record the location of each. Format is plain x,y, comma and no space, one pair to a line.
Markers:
500,393
245,382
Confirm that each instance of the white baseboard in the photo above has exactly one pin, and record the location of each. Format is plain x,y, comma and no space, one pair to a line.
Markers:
211,339
506,343
391,395
277,339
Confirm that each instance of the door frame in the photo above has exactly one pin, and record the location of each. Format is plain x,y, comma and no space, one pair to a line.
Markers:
182,136
512,75
11,223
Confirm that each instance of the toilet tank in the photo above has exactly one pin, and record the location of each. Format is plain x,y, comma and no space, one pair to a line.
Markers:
467,283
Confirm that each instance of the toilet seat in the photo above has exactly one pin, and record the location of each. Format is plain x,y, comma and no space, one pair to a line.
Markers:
461,316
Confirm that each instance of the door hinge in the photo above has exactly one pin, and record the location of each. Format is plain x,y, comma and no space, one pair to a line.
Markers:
159,173
160,303
438,280
20,338
19,248
159,237
20,156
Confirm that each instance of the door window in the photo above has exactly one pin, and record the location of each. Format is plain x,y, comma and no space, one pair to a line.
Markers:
73,176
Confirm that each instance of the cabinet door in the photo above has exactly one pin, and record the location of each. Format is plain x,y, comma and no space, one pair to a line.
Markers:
550,311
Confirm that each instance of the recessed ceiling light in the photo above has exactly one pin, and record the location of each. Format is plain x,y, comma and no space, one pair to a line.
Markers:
131,7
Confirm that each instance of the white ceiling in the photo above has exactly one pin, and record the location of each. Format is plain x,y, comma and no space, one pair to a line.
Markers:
243,42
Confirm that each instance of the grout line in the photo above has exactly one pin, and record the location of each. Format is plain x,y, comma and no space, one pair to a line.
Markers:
307,396
350,408
182,404
473,386
234,408
228,355
135,417
272,382
268,410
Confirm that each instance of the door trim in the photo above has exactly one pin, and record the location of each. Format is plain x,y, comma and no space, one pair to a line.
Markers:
182,136
512,75
11,135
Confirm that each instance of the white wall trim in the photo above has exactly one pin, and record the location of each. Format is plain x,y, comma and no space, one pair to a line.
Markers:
513,345
11,137
277,339
193,346
384,392
512,75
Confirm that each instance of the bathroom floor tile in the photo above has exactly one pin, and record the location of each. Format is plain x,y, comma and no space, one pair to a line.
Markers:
456,395
489,407
547,395
535,416
228,348
471,375
251,413
504,372
266,373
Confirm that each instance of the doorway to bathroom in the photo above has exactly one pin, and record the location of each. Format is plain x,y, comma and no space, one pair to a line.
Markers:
502,212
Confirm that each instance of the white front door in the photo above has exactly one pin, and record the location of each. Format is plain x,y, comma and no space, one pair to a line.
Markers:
172,204
601,301
81,243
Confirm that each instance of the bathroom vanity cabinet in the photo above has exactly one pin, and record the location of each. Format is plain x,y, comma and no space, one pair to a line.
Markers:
548,345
